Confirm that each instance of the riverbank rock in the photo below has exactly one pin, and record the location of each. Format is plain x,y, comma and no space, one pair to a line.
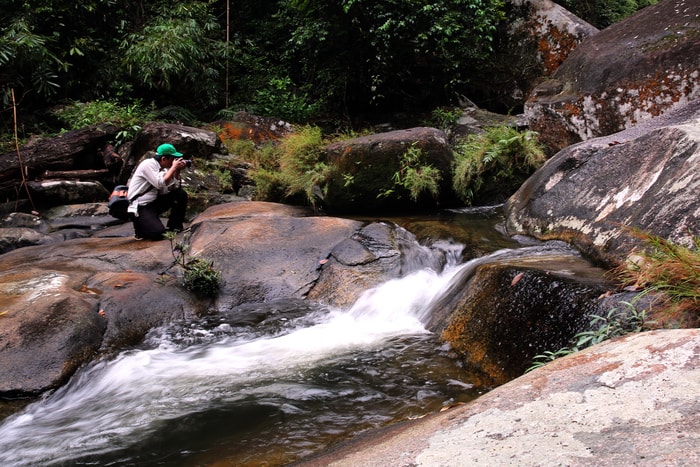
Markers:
47,329
536,37
506,308
590,194
253,128
634,70
266,251
373,254
66,304
629,401
367,170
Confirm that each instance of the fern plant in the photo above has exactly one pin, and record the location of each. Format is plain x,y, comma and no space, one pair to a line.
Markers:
292,169
501,157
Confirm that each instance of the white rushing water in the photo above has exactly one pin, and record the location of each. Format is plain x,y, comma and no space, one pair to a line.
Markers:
113,404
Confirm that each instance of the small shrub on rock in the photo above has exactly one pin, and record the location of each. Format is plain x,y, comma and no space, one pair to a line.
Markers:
200,277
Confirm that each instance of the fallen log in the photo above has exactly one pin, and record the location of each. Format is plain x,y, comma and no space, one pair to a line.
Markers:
75,174
75,150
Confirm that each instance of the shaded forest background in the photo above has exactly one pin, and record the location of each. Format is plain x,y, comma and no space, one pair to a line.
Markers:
302,60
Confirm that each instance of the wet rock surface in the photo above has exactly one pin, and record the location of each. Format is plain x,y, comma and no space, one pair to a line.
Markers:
628,401
66,304
501,313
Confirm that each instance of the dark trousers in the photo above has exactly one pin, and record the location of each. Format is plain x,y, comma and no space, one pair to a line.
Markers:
148,225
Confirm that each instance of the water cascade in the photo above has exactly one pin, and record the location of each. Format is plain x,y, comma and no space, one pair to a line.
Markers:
297,379
194,368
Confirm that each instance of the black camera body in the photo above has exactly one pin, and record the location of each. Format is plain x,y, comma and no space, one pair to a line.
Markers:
188,163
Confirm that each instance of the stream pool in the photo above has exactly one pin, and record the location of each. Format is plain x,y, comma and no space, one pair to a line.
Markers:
231,390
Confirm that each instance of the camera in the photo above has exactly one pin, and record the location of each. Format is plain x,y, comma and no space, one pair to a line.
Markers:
188,163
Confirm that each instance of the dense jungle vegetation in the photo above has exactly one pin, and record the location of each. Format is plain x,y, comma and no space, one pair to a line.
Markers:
296,59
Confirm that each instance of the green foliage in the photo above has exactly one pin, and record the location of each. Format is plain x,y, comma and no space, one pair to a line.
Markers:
502,156
444,118
293,168
364,52
241,148
34,66
81,114
288,58
177,50
225,180
176,114
200,277
415,176
615,323
280,100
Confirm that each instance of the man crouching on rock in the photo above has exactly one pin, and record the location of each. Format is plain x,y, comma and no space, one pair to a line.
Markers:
154,188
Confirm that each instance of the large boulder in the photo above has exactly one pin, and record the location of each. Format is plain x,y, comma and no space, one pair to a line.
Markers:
589,194
192,142
105,293
537,36
632,71
195,143
504,309
629,401
247,127
365,171
266,251
50,327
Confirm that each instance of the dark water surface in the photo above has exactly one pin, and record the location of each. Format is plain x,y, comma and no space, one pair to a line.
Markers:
223,391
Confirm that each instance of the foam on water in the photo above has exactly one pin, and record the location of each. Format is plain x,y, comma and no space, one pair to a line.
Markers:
113,404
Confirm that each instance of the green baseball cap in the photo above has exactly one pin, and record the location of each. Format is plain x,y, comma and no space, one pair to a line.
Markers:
168,150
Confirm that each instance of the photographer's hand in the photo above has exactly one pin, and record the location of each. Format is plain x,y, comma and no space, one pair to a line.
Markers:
180,164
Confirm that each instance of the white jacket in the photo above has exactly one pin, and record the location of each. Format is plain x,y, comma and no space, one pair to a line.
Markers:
148,173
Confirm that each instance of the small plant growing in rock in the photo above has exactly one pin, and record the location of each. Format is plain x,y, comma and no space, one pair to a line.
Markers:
601,328
415,176
200,277
667,269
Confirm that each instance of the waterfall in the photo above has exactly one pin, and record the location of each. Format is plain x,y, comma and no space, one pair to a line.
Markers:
187,369
111,405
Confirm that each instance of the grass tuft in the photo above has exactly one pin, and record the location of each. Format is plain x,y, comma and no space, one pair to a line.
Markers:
666,268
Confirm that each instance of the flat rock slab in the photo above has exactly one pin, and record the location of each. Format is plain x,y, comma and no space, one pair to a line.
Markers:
630,401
